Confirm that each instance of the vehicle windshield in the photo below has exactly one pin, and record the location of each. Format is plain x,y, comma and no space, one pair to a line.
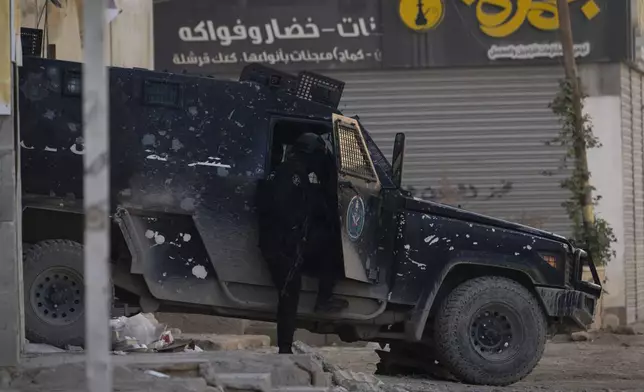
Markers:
383,167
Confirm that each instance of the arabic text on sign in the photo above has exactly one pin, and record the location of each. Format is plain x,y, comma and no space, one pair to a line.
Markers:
207,31
277,57
501,18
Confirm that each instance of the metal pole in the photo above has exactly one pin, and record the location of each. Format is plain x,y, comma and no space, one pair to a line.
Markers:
96,199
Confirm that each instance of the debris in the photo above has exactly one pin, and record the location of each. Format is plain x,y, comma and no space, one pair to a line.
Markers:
74,349
138,332
154,373
623,330
37,348
212,342
581,336
192,348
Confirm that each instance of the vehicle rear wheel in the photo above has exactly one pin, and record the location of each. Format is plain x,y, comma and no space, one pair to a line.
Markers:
490,331
54,293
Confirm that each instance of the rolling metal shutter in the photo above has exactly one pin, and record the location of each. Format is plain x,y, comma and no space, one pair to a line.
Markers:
633,167
475,137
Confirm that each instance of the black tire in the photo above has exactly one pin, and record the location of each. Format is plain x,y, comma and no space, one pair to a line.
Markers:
490,331
54,293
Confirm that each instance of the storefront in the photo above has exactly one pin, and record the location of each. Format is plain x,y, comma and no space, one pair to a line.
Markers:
468,82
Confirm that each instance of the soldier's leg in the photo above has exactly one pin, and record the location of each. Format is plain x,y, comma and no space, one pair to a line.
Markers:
288,301
330,270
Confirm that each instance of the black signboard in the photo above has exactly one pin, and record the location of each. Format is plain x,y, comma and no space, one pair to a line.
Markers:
218,36
222,36
443,33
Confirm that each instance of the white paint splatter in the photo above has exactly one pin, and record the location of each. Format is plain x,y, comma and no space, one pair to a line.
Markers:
471,225
528,247
431,240
50,149
425,216
155,157
399,274
199,271
475,243
165,274
516,253
159,239
23,145
467,236
186,237
493,230
149,234
407,246
419,265
451,248
211,164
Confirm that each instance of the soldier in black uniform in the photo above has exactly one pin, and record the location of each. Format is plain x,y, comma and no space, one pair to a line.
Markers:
295,224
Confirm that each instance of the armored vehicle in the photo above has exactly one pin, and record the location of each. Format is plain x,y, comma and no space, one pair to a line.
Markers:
445,288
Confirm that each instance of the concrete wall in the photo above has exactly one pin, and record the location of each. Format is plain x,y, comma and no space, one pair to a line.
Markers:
10,267
603,106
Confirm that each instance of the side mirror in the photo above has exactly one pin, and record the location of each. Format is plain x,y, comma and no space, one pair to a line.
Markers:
398,158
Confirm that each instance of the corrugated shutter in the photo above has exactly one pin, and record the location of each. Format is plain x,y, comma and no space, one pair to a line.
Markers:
630,270
475,138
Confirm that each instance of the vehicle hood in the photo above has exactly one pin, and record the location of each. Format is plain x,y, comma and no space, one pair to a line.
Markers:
419,205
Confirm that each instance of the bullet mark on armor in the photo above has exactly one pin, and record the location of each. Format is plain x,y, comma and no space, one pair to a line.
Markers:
188,204
149,139
176,145
199,271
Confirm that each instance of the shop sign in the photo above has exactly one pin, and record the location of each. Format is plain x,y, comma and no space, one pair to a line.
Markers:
208,37
426,33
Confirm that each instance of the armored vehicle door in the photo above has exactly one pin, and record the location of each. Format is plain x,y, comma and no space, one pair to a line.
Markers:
359,200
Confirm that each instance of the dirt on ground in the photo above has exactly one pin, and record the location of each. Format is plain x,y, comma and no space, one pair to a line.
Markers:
609,362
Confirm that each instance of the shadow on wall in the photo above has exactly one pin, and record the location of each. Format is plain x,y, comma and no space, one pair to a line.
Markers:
202,324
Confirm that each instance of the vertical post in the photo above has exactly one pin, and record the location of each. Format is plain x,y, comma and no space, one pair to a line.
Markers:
96,199
581,161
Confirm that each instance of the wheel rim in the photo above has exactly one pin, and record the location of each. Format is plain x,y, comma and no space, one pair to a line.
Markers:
56,296
496,333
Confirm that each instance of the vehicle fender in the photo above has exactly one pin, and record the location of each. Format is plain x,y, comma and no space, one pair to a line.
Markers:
416,324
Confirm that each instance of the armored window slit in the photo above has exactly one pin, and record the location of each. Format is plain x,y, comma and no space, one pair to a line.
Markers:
353,156
162,93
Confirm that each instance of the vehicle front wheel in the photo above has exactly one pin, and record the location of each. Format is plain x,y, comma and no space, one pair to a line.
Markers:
490,331
54,293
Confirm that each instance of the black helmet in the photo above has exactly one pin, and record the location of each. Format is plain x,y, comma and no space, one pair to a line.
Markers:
310,143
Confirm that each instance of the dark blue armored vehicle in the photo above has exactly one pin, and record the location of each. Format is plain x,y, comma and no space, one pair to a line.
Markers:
449,290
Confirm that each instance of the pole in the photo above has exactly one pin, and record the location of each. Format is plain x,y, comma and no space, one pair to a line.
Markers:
96,199
579,145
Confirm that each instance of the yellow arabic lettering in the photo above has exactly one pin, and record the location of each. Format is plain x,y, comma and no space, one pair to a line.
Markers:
500,18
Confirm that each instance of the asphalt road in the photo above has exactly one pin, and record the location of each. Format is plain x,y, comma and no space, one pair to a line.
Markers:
608,363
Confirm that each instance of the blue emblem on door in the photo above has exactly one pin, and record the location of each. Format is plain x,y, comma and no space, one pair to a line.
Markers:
355,218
